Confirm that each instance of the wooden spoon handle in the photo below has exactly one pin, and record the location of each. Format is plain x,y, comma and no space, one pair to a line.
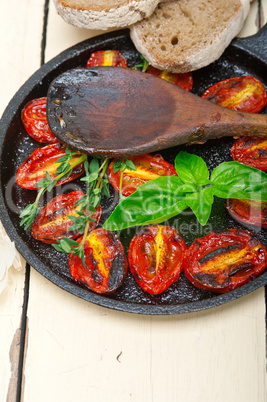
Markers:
214,122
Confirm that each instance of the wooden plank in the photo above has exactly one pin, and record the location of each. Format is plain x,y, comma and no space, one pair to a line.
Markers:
20,38
79,351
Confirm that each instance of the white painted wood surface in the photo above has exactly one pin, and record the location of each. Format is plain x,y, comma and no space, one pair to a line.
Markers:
77,351
20,38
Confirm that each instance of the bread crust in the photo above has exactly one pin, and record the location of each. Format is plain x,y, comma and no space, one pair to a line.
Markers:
181,60
93,14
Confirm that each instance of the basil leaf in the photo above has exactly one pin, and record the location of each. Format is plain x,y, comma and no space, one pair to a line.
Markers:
191,169
153,202
235,180
188,188
201,203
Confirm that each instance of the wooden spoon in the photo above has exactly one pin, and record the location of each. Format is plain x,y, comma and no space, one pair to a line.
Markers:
114,111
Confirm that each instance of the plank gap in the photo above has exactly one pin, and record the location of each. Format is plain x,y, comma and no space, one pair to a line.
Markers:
44,34
260,19
23,341
23,332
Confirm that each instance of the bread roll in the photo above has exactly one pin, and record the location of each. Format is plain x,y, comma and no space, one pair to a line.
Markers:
104,14
186,35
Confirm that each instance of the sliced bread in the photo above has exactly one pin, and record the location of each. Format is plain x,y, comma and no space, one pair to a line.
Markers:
186,35
104,14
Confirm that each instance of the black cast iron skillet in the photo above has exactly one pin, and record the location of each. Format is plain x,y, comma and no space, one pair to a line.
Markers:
243,57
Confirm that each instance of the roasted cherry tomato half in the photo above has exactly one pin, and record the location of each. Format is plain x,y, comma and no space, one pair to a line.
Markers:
43,160
53,221
148,167
182,80
156,257
244,94
251,151
105,261
248,212
223,261
107,58
34,120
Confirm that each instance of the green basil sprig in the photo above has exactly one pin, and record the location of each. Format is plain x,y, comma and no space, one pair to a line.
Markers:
165,197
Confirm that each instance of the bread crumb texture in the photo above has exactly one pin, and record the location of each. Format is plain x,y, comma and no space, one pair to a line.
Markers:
104,14
186,35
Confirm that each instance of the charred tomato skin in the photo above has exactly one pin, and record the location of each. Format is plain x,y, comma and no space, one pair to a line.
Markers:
107,58
34,119
148,167
248,212
243,94
223,261
52,222
34,168
182,80
156,257
105,261
250,151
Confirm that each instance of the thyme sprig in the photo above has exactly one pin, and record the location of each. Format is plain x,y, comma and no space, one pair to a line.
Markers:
122,165
97,185
63,170
143,65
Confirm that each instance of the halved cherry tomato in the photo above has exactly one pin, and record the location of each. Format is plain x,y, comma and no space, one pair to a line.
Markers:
35,122
43,160
248,212
53,221
223,261
105,260
251,151
182,80
148,167
107,58
244,94
156,257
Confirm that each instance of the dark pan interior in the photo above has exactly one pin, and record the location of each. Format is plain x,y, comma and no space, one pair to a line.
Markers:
16,145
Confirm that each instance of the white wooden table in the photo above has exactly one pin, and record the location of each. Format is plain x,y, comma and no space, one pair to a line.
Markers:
56,347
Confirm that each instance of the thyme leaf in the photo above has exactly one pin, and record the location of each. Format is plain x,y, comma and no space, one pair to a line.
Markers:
143,65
